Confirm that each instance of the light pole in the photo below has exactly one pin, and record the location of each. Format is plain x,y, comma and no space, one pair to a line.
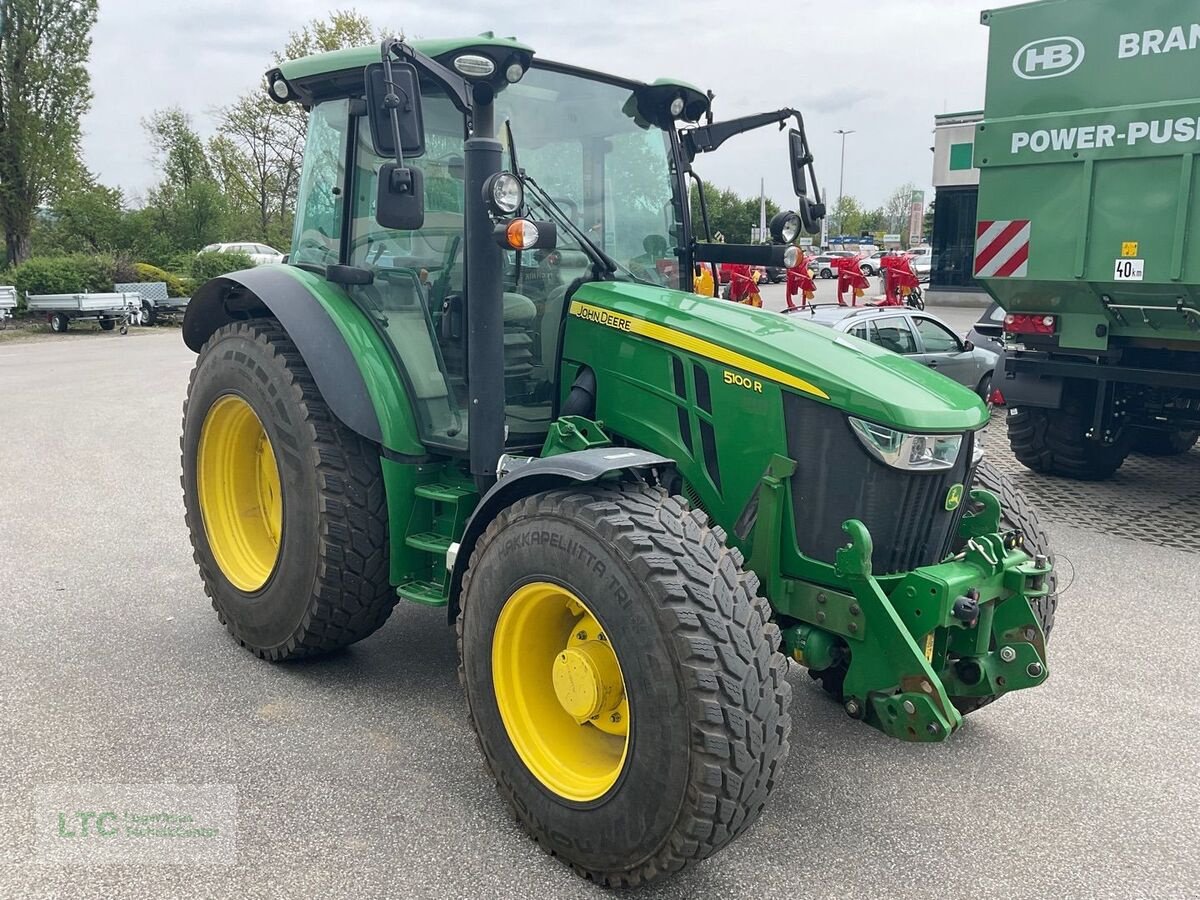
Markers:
842,179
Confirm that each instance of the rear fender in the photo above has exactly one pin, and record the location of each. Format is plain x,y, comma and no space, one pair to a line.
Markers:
352,366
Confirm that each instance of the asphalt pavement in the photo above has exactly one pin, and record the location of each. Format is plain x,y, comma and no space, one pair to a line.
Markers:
357,775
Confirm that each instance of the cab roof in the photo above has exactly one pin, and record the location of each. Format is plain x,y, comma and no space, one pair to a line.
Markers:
309,68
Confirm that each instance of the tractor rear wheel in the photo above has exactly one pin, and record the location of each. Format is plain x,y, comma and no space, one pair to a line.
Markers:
623,679
285,505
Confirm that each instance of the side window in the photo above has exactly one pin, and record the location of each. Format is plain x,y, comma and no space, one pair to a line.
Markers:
860,330
895,335
318,229
936,338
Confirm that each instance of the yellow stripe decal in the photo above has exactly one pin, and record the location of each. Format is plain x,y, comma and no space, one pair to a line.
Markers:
691,344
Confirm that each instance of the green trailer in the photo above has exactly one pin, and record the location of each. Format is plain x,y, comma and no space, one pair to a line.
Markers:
482,384
1088,233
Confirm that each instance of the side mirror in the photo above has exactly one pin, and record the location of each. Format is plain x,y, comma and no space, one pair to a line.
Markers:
400,198
394,111
811,211
968,346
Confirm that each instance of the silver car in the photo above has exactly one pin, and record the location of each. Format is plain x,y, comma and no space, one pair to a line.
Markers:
920,336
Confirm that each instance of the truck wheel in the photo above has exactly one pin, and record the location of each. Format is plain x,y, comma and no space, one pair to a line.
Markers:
149,314
622,678
1015,515
59,323
1055,442
1165,443
107,324
285,506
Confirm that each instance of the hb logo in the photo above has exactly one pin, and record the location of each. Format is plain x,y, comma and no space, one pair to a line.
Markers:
1049,58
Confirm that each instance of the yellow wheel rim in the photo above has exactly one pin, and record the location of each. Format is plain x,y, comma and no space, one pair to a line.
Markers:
560,691
241,499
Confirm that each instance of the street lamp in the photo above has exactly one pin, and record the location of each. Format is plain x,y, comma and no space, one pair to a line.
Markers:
842,178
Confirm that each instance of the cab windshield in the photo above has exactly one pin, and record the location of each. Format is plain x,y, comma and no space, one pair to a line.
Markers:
610,172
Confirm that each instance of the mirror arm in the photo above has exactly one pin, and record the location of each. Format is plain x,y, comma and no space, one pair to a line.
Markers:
455,85
707,138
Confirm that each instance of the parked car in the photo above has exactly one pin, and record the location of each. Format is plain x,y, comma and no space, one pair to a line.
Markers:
260,254
989,330
870,265
823,265
918,335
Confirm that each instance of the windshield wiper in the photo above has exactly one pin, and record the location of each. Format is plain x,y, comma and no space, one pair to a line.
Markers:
601,261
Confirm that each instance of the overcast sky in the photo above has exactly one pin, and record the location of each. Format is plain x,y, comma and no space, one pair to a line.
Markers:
883,68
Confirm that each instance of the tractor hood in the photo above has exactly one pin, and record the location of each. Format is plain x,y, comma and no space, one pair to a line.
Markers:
843,371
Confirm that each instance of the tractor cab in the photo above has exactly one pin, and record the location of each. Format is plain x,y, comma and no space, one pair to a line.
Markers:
601,160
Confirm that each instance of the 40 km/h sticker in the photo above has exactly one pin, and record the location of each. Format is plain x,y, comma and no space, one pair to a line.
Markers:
1130,270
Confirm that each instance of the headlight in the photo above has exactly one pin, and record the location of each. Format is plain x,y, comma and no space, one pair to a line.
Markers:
791,257
915,452
503,193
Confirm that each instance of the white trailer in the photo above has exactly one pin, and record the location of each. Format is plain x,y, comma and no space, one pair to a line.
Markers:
8,302
108,310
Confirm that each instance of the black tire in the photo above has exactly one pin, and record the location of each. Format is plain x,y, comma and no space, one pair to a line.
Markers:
149,313
710,681
826,274
107,324
984,388
1055,442
1015,515
1165,443
59,323
329,587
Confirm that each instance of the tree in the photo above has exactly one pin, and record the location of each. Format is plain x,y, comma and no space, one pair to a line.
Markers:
896,209
188,202
89,218
258,154
847,216
44,90
729,214
340,29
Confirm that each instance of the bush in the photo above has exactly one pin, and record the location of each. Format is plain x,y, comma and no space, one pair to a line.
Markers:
175,287
77,274
206,266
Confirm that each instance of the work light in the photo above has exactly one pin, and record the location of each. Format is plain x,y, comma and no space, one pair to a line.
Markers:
503,193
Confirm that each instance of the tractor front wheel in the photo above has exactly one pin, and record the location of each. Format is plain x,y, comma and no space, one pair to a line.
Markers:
284,504
622,677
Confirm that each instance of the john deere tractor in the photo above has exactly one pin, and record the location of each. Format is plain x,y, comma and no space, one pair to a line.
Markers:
481,383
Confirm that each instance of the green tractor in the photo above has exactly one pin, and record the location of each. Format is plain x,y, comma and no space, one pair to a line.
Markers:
481,383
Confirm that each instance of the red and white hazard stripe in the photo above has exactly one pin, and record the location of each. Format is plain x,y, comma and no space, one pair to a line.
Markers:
1002,249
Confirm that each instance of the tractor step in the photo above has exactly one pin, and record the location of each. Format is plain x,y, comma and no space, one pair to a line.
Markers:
426,593
445,493
430,542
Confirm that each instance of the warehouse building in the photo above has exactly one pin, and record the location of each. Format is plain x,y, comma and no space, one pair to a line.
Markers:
956,182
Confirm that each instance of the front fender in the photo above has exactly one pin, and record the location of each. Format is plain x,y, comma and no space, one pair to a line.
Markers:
545,474
352,366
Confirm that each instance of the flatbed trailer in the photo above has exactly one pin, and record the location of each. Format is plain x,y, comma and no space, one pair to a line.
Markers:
8,303
108,310
156,303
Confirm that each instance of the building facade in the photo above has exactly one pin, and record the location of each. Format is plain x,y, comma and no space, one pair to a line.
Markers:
956,181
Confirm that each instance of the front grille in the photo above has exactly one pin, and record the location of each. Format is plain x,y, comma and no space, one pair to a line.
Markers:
838,479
